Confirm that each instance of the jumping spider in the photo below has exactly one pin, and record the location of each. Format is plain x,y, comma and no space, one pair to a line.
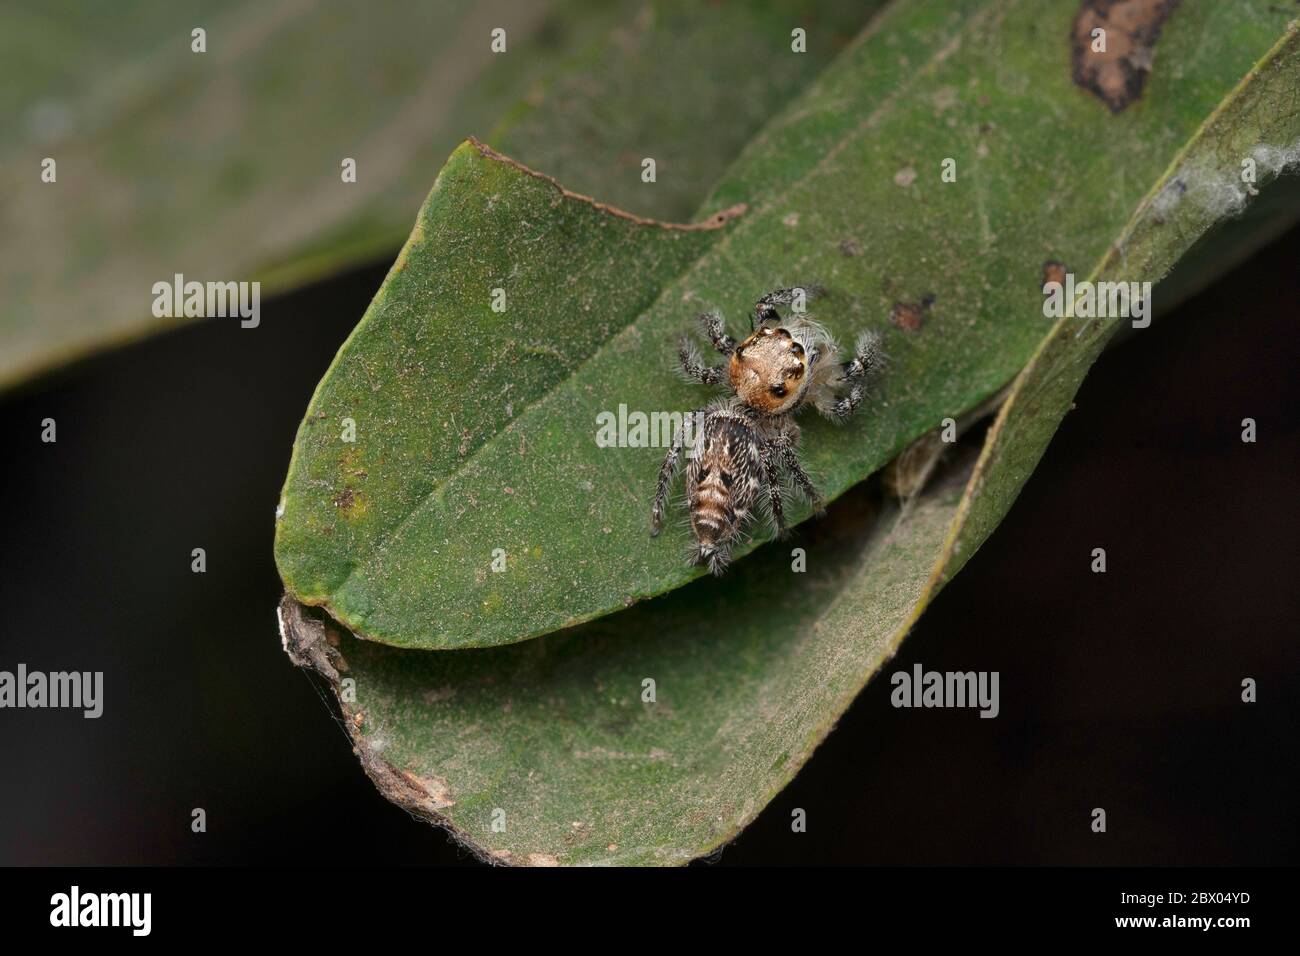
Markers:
746,438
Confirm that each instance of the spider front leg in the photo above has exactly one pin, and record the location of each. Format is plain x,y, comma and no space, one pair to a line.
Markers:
866,360
717,333
765,308
694,368
667,472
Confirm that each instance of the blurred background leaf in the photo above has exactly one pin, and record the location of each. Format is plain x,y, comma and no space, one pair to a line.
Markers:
226,165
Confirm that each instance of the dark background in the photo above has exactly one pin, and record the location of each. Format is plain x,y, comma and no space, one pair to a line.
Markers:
1119,690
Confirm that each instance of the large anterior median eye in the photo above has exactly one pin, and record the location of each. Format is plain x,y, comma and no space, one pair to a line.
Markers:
778,391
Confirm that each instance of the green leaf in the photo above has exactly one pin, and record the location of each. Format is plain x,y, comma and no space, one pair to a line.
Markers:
226,165
547,752
553,737
476,431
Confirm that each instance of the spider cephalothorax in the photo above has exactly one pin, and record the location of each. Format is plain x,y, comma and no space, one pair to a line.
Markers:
769,371
745,440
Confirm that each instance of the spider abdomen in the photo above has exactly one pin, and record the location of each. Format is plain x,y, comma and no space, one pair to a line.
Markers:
721,487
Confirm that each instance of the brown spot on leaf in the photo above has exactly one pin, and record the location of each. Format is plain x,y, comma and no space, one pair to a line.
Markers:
1053,271
1118,73
351,504
908,316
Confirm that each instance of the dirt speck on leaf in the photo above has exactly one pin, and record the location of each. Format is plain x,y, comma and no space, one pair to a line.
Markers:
1114,63
905,176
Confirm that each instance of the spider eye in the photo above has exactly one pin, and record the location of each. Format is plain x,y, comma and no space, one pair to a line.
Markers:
778,391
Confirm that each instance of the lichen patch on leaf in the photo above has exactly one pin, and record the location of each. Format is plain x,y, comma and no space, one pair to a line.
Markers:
1219,189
